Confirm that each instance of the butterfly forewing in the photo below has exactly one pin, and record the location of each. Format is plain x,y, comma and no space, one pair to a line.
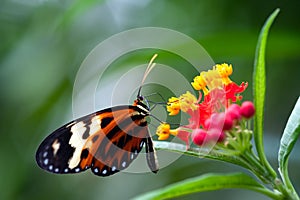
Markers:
106,141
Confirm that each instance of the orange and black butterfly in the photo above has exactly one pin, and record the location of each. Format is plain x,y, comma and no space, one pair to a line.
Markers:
106,141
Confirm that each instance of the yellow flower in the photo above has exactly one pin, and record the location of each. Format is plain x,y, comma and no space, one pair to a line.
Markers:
212,79
173,106
200,84
188,101
163,131
209,80
224,71
185,102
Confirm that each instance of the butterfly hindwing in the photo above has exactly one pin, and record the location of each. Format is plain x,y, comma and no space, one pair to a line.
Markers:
106,141
111,156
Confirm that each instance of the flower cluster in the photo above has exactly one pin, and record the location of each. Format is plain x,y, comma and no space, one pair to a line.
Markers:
213,113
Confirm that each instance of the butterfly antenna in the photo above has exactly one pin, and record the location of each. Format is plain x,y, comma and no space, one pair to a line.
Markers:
148,69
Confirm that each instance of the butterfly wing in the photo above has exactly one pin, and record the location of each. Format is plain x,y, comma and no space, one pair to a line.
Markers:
106,141
115,146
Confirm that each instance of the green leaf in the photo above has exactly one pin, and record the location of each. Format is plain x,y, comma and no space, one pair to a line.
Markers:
207,182
259,90
287,142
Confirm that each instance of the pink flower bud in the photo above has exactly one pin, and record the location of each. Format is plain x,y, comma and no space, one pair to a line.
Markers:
228,122
207,123
199,136
216,120
234,111
220,121
216,135
247,109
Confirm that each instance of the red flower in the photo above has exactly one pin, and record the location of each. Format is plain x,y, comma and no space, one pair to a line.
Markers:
232,89
213,115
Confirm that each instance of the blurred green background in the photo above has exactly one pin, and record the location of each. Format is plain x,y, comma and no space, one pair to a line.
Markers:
43,43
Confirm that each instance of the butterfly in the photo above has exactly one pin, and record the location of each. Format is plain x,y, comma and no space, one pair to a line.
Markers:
106,141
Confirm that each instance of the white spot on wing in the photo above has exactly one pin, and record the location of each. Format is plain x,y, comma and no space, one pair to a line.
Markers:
45,154
66,170
78,128
113,168
124,164
88,144
46,161
77,142
50,167
104,171
55,147
96,170
95,125
56,170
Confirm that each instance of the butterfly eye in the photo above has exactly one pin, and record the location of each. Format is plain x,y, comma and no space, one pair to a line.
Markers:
141,98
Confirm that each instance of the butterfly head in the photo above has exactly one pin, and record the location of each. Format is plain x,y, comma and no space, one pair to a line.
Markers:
139,98
142,103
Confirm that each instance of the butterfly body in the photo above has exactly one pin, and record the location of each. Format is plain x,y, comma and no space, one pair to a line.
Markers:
106,141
